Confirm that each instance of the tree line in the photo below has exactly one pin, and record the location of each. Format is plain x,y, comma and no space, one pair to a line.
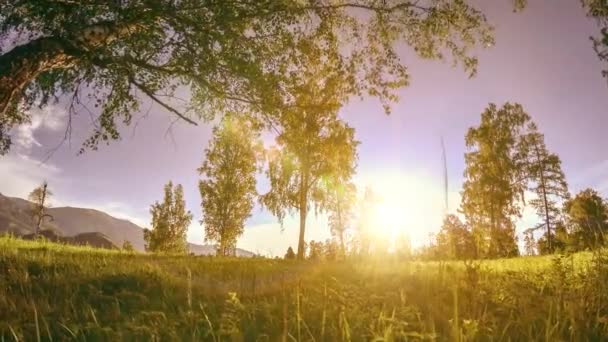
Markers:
508,167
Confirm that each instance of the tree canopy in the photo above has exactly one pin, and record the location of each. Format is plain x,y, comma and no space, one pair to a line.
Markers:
196,58
495,178
170,222
588,215
228,187
598,10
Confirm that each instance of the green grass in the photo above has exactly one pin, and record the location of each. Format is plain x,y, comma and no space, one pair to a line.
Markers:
56,292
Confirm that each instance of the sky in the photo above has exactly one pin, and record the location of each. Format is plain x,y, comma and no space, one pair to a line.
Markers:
542,59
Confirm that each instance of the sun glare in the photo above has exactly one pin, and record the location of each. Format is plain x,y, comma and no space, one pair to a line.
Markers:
407,206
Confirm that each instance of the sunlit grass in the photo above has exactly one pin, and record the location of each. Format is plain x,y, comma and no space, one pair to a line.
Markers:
68,292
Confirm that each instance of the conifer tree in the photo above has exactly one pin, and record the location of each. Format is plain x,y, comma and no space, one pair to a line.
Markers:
548,183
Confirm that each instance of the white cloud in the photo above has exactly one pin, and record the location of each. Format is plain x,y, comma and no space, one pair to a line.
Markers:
50,117
20,174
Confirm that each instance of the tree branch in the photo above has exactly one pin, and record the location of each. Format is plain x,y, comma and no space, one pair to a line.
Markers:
153,96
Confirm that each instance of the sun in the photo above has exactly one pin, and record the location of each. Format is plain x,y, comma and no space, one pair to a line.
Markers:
407,205
388,218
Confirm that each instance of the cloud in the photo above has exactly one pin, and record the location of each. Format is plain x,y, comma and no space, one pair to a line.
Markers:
49,117
20,174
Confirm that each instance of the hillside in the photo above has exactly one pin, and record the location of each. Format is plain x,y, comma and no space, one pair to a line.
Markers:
68,221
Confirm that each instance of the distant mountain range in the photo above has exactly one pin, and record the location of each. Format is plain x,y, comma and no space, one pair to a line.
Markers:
78,223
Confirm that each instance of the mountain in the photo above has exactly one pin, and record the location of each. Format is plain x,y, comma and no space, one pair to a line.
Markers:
76,223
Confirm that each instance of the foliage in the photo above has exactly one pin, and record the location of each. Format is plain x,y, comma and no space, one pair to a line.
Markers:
588,215
315,150
455,240
598,10
77,293
530,244
228,187
40,202
561,241
127,246
290,255
315,250
548,182
230,56
341,202
170,222
495,178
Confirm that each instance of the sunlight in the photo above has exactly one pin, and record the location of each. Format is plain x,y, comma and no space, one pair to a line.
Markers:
407,204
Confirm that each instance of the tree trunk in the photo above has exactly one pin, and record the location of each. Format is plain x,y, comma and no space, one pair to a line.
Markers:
24,63
21,65
341,233
545,202
303,211
41,213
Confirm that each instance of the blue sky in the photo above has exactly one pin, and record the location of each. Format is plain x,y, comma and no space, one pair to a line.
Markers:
542,59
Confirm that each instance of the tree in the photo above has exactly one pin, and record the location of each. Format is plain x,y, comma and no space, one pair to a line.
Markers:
127,246
342,197
315,250
228,188
560,241
495,178
290,255
588,215
228,55
170,222
315,149
598,9
365,218
549,183
529,242
331,250
39,198
454,240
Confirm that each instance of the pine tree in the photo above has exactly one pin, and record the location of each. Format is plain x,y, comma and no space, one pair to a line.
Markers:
548,180
228,187
170,222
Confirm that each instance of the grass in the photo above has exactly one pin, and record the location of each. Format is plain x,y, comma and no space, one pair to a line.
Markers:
55,292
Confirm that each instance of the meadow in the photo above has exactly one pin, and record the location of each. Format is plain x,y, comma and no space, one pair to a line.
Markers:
55,292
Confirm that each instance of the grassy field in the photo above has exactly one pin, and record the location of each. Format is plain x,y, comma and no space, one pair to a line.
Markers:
53,292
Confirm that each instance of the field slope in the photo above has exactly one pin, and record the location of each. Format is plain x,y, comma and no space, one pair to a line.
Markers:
56,292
